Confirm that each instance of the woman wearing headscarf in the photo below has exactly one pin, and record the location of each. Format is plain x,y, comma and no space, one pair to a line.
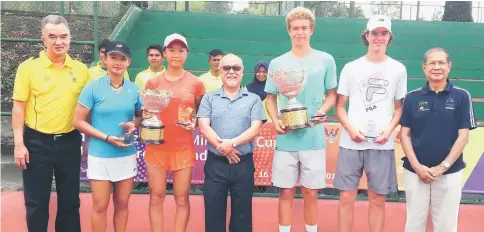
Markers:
257,85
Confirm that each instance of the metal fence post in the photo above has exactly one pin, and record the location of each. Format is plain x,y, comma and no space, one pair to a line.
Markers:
95,7
418,11
62,5
279,9
401,10
352,9
187,6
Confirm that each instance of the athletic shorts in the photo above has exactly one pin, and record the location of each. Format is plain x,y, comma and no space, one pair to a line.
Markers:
111,169
307,168
170,161
379,166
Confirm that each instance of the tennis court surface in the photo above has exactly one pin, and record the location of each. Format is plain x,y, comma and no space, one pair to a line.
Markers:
264,214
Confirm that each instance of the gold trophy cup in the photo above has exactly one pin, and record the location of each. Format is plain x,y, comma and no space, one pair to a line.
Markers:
152,129
290,83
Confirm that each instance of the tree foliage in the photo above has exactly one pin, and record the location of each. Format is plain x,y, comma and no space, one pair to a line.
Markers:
388,8
320,9
218,7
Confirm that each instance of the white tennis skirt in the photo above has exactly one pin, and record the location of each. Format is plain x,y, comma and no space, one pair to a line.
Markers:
111,169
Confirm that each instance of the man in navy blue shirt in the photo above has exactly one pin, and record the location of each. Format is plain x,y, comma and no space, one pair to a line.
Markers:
435,122
229,119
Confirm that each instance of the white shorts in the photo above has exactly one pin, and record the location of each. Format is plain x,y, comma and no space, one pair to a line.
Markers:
111,169
307,168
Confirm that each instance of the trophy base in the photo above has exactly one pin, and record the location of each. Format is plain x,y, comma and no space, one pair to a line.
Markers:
295,118
152,134
318,116
183,123
373,138
162,141
298,127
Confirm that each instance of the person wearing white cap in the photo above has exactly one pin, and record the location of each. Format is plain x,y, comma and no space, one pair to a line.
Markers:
177,153
114,106
375,85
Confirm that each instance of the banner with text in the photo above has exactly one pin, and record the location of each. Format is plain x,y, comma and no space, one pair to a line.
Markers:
264,150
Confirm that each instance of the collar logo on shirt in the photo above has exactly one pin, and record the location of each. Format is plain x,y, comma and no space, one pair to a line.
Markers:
74,80
331,134
423,106
450,104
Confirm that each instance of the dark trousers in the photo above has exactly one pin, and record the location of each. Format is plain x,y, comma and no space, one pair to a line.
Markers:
221,177
61,156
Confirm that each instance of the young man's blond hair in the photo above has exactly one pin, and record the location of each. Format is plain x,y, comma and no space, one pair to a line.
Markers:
300,13
319,95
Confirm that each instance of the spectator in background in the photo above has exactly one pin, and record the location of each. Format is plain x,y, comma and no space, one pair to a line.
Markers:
99,69
229,119
45,95
211,80
436,121
155,59
258,84
111,102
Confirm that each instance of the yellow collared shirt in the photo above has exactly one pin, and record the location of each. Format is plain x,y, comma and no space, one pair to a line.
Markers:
145,75
97,72
51,93
212,83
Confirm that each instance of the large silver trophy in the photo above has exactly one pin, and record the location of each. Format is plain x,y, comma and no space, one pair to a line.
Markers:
152,129
290,83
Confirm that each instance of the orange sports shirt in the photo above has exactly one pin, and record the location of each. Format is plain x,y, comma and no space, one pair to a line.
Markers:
185,90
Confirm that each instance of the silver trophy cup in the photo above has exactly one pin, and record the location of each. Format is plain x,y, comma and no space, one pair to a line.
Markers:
290,83
152,129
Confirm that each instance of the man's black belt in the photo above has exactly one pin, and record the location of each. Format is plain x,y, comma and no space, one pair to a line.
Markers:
62,136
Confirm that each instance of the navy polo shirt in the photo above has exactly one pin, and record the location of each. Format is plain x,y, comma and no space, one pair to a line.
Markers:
434,120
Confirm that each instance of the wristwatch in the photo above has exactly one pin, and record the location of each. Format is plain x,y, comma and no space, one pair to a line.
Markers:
446,164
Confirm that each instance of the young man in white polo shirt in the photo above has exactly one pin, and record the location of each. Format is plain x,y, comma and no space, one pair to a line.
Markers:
375,86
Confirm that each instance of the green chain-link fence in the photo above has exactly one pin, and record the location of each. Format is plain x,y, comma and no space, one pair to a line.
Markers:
89,22
20,42
448,11
21,31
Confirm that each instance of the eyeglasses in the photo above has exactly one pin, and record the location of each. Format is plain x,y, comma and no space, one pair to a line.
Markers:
227,68
434,63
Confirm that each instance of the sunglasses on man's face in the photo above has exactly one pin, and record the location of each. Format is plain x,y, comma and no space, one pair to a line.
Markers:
227,68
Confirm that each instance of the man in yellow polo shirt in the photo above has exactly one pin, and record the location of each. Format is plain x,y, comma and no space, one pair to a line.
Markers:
155,59
45,95
211,80
99,69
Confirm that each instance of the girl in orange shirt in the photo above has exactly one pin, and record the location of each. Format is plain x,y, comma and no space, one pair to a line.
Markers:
177,153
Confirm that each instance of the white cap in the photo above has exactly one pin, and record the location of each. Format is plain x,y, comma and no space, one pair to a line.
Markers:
377,21
173,37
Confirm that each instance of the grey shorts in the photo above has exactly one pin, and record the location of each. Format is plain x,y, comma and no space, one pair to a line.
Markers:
307,168
379,166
